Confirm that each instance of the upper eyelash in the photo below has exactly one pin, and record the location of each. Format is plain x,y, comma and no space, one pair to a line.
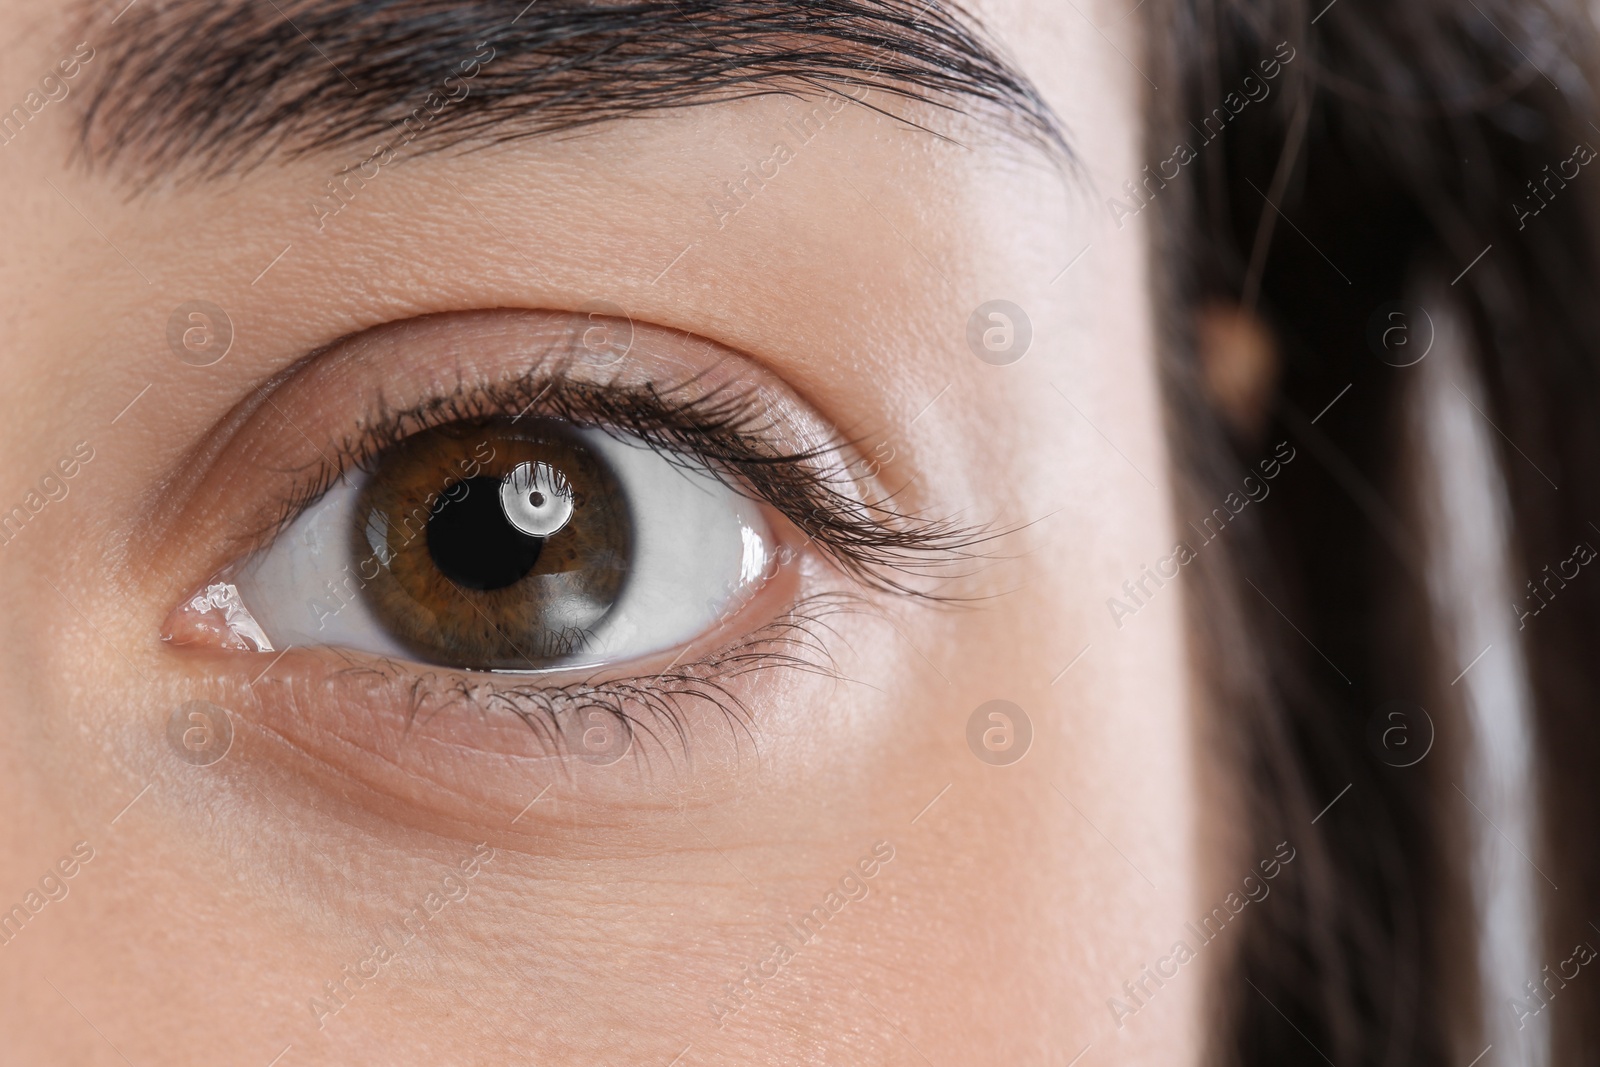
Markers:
725,428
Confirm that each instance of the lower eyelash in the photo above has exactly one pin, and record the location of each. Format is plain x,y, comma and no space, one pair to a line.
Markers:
648,705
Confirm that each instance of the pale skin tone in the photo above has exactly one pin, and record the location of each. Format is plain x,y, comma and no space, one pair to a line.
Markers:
619,901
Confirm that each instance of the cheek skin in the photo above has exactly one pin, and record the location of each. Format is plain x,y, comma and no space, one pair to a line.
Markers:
615,910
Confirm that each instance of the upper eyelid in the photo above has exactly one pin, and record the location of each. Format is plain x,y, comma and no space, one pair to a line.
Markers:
282,443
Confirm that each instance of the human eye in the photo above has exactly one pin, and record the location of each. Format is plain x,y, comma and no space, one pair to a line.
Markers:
530,529
506,544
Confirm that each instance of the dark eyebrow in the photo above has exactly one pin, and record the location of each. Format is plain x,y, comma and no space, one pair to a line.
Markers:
204,88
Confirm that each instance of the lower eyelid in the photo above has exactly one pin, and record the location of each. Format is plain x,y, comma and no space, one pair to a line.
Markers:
456,752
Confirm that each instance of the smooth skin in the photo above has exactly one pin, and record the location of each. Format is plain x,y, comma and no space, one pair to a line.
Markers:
609,908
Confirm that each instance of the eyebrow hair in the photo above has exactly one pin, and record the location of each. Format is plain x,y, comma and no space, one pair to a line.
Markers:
207,88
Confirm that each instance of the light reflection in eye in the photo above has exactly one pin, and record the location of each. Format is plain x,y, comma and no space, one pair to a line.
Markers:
527,546
537,499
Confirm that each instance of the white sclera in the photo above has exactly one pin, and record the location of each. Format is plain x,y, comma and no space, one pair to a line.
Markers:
700,550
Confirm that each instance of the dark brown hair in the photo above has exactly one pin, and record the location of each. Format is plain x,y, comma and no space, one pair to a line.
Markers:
1397,144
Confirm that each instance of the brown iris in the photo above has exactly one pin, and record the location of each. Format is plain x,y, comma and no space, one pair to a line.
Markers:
458,581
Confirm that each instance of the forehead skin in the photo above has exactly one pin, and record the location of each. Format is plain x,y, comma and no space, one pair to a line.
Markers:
221,902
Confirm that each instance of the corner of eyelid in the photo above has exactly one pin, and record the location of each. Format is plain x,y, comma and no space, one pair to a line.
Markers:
215,617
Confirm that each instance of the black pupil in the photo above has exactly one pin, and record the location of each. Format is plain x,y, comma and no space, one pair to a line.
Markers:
473,543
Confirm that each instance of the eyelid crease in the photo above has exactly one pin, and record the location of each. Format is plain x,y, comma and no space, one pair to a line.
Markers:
724,430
